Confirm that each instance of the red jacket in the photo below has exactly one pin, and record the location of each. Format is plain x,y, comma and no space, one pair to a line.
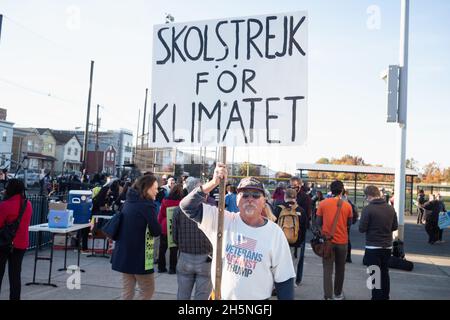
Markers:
9,212
162,216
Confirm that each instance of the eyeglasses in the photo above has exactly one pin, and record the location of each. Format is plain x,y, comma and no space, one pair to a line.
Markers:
254,195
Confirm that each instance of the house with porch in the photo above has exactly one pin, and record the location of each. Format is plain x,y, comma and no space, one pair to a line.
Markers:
68,152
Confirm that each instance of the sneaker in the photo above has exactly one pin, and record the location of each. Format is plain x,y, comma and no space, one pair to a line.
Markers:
162,270
325,298
172,271
339,297
85,251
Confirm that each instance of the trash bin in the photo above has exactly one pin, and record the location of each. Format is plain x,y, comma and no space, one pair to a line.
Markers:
80,201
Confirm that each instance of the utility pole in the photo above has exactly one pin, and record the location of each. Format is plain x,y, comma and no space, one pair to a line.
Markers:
137,136
1,21
399,203
86,131
96,139
145,114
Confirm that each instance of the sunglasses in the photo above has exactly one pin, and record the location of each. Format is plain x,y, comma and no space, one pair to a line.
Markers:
254,195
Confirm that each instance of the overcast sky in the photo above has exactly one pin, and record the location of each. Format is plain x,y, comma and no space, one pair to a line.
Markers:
46,48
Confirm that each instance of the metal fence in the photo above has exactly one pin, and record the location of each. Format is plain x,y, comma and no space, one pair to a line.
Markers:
40,212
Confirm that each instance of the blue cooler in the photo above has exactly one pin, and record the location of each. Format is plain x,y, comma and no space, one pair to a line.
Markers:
60,218
80,201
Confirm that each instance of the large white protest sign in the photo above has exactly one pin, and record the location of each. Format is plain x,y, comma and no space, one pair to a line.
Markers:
231,82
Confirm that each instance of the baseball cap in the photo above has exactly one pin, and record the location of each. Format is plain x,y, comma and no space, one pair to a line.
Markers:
250,183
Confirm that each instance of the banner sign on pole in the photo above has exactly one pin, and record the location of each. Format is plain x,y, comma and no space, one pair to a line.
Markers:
230,82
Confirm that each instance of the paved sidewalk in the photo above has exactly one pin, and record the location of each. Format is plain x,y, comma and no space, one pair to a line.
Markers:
430,278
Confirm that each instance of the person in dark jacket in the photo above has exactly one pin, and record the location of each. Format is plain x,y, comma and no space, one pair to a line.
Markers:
9,212
354,220
420,210
378,221
122,196
303,199
432,219
133,252
289,201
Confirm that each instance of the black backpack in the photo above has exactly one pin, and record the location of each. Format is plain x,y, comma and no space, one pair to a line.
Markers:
8,231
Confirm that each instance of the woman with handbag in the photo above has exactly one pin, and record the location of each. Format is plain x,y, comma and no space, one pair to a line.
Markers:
14,209
133,251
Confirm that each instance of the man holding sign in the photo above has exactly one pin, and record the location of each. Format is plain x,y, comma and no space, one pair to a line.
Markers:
255,253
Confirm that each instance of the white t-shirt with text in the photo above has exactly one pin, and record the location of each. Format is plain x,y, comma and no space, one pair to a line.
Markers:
253,258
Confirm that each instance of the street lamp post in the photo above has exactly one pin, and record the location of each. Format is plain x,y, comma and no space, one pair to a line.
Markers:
399,203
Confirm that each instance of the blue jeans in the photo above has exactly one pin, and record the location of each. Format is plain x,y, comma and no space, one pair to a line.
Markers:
193,269
301,259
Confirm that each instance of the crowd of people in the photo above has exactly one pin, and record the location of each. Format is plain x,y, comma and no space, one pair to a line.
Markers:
264,236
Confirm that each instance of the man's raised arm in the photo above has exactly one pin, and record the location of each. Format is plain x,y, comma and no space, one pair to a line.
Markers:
191,205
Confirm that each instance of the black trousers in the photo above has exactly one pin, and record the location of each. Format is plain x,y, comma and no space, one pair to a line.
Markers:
83,234
380,258
432,228
163,244
440,232
420,212
14,260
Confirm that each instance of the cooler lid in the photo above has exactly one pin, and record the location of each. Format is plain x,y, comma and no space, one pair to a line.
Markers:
81,192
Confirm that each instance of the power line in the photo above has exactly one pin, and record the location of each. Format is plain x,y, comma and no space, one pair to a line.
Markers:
39,92
71,50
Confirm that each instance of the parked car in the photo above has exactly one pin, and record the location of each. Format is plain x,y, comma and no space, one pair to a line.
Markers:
32,178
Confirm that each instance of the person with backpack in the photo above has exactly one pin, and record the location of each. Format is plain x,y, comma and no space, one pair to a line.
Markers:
292,219
333,218
14,209
378,221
